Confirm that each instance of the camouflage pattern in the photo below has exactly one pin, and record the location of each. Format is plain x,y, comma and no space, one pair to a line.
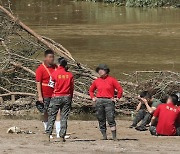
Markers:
144,116
105,109
46,103
64,104
153,131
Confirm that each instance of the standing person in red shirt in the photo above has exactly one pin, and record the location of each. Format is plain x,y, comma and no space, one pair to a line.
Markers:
44,87
105,99
62,98
167,115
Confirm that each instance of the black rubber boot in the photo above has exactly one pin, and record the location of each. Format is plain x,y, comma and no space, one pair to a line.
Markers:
133,126
104,134
114,135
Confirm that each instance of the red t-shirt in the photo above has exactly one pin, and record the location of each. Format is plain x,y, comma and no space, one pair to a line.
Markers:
105,88
64,82
43,76
167,115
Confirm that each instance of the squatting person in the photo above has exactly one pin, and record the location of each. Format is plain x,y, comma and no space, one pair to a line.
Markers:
167,118
145,109
105,99
62,98
44,87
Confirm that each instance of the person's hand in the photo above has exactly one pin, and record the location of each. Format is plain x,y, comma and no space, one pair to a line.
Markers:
115,100
144,100
40,99
94,99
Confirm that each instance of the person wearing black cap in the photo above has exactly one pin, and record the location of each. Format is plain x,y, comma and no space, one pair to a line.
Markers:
61,99
105,99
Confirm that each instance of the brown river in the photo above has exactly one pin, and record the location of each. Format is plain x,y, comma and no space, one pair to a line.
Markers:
127,39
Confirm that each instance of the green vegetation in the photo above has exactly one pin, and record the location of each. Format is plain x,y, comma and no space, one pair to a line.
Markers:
143,3
152,3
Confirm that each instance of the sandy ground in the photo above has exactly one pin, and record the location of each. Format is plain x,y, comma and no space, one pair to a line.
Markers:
85,138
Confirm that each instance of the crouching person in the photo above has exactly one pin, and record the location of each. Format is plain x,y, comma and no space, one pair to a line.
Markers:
168,119
147,105
105,99
62,98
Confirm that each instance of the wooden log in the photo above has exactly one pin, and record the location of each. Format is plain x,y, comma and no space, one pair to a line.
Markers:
13,98
24,68
39,38
1,100
4,89
17,93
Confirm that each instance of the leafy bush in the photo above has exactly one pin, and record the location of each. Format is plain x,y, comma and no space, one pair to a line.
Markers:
143,3
151,3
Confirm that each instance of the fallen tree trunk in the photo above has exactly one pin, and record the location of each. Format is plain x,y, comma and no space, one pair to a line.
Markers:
63,53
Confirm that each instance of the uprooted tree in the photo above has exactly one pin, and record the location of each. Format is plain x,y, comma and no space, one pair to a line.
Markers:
21,47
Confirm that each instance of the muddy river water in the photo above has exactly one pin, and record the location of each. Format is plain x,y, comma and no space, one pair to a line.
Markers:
127,39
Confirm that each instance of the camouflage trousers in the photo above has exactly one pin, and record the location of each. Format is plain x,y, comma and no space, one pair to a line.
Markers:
153,131
64,104
105,109
46,103
143,116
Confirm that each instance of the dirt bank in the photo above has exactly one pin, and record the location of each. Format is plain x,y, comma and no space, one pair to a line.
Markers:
85,138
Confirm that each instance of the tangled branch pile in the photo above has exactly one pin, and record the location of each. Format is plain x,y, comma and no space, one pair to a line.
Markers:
19,52
21,47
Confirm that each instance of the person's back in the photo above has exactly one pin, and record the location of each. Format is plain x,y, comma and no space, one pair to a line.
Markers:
167,117
62,98
63,82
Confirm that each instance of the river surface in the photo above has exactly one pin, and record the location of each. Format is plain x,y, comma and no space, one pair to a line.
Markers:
127,39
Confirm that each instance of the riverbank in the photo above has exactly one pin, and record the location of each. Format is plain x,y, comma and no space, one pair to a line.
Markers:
141,3
85,138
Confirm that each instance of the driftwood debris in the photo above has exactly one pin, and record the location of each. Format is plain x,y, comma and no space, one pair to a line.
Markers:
20,48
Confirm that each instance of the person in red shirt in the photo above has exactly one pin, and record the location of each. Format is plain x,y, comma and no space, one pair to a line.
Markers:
62,98
45,90
105,99
167,116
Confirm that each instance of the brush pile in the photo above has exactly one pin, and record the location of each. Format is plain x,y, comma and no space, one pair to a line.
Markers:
21,47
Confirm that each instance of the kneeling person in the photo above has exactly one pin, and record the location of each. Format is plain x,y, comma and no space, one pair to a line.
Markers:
168,118
62,98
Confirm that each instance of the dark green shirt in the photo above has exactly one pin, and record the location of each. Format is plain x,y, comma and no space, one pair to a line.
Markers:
155,102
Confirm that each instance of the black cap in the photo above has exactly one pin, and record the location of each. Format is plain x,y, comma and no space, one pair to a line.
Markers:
40,106
103,67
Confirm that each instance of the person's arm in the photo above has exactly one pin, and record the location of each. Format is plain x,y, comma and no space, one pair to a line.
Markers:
40,98
39,84
118,88
150,109
72,86
153,121
92,90
138,106
155,117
